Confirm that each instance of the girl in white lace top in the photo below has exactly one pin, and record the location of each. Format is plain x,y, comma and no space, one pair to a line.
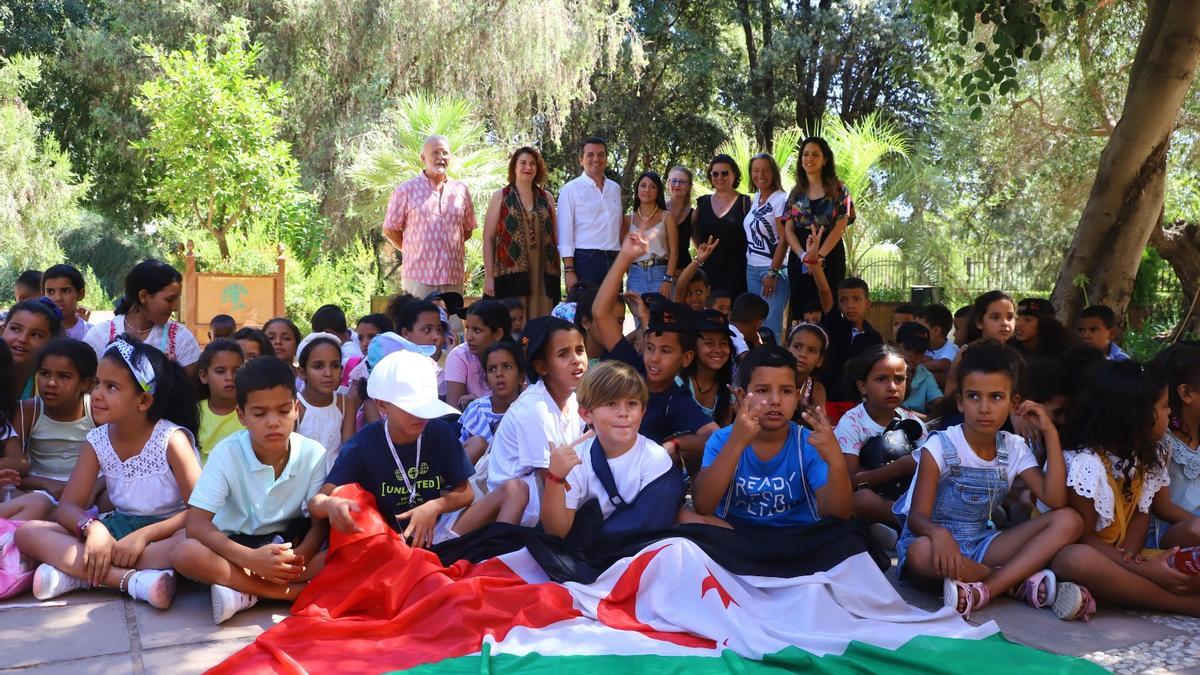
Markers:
1174,519
1113,477
144,450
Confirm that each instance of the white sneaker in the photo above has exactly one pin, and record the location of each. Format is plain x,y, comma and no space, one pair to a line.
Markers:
51,582
226,602
156,587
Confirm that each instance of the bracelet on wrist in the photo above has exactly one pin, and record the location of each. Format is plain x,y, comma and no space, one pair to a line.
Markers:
82,526
555,477
568,269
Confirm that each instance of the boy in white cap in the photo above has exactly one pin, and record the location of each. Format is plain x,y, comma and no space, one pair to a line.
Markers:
411,460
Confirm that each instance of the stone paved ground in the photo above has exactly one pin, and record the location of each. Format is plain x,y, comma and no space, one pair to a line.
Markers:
101,632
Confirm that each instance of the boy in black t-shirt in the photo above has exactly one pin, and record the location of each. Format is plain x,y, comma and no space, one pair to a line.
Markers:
672,418
850,334
411,460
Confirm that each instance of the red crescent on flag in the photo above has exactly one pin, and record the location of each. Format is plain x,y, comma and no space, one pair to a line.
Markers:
710,582
619,609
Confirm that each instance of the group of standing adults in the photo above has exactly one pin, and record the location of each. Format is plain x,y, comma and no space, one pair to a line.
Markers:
531,243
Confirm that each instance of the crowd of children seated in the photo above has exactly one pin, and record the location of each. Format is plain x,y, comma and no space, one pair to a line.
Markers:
995,449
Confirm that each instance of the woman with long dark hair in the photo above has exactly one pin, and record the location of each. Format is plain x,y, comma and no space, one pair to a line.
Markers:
520,245
818,200
720,215
655,271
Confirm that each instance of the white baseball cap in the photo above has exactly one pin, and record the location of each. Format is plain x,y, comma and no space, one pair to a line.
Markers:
409,382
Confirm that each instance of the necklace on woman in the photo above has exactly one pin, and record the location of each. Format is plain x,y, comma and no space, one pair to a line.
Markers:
649,217
701,389
138,330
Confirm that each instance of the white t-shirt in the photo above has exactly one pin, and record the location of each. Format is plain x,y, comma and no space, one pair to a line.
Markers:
183,350
948,352
521,444
1020,456
762,232
856,427
632,471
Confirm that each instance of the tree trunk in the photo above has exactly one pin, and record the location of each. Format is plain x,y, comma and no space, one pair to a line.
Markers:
1127,195
1179,245
222,242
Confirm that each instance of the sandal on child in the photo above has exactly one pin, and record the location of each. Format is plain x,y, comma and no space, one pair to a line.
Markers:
1028,589
974,593
1074,602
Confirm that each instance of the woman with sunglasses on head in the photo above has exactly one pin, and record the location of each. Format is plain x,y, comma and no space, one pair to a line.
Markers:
818,201
720,215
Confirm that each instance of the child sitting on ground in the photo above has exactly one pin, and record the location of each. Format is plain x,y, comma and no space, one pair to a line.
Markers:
709,377
52,426
671,416
1115,473
692,287
28,286
879,376
1098,328
516,315
901,315
545,415
747,316
487,322
248,533
632,479
64,285
284,337
505,371
253,342
221,327
850,334
215,372
331,319
963,476
1173,521
808,344
411,460
145,454
321,408
766,470
31,325
942,352
923,393
720,300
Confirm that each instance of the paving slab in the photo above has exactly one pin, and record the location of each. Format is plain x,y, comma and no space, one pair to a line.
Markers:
189,659
48,634
189,620
111,664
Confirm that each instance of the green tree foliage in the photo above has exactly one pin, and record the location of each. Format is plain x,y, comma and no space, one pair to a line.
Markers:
214,134
38,190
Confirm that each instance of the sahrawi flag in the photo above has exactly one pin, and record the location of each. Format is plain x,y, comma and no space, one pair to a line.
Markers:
668,606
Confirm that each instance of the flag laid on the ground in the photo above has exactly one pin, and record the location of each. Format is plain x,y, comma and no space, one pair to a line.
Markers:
381,606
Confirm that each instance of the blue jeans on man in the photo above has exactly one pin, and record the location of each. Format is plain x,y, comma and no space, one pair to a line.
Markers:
592,265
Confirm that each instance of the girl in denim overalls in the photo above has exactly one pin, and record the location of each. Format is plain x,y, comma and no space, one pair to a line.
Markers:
963,475
1116,471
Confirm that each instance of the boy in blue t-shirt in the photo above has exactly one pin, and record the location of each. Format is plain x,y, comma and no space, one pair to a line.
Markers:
411,460
765,470
1098,328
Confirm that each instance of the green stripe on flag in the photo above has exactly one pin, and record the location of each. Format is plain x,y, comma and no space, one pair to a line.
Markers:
924,654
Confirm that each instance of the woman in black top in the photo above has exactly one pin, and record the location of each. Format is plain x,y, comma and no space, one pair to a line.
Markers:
720,215
679,203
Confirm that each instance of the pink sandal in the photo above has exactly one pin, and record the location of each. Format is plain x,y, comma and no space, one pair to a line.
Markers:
974,594
1074,602
1028,589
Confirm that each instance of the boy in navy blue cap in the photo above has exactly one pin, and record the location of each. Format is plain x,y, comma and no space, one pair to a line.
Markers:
673,418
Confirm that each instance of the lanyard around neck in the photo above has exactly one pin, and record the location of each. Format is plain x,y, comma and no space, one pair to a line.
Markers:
412,493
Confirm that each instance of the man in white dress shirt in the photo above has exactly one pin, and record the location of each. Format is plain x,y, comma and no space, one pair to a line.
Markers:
589,218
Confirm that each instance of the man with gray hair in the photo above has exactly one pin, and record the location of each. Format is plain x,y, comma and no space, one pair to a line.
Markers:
429,219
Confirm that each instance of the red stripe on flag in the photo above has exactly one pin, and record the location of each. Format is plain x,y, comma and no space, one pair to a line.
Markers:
380,605
619,609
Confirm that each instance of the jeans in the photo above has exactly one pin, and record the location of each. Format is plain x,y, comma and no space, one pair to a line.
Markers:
592,265
645,280
778,301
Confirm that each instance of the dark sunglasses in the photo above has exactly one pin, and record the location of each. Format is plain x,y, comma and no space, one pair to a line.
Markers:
718,174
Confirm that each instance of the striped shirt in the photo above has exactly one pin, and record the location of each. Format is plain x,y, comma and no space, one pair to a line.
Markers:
479,420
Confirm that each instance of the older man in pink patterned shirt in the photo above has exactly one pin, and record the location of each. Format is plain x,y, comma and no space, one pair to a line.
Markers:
429,218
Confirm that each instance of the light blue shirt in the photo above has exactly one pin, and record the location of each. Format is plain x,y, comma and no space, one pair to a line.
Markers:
244,493
921,390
